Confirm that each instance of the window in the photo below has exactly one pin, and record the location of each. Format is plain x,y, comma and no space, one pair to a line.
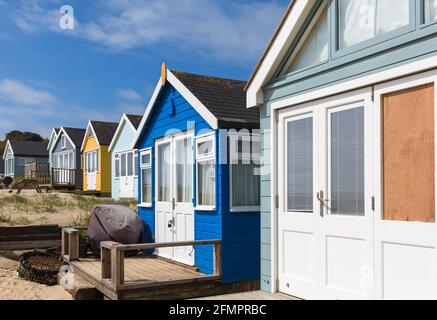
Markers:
164,172
117,166
430,10
146,177
136,163
244,172
361,20
206,171
184,170
123,165
130,164
63,142
313,47
92,162
9,167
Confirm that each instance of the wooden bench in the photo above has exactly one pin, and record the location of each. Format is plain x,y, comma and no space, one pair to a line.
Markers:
30,237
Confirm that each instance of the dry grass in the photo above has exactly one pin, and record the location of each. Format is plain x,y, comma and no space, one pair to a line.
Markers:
53,208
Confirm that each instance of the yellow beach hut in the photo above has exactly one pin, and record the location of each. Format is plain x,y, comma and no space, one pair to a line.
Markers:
96,159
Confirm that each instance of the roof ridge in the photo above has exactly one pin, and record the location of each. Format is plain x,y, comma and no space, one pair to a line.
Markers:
206,76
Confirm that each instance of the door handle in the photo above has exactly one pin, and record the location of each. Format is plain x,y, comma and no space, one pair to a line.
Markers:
323,202
171,223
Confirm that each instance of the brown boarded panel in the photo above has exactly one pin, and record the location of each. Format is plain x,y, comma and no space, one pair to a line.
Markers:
409,155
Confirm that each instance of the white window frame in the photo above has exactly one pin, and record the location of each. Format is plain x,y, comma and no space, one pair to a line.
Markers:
135,162
117,159
145,166
63,142
234,138
95,161
205,158
9,167
126,154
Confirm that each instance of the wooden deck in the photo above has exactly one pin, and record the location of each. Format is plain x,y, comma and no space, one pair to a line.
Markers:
252,296
148,278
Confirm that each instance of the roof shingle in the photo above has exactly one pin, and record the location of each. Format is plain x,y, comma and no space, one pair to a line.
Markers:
29,148
76,135
135,120
104,131
224,98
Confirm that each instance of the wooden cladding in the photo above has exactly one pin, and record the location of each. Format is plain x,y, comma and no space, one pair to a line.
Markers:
409,155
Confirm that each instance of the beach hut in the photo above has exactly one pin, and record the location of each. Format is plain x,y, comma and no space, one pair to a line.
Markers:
96,159
21,154
66,168
191,184
124,159
347,93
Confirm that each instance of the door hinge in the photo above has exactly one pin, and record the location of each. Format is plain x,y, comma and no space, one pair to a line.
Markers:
277,202
373,203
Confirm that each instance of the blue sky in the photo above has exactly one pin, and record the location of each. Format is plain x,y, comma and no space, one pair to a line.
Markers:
110,62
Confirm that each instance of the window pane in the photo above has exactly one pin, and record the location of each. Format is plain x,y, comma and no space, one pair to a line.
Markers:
123,165
347,162
136,163
146,180
430,10
206,183
117,168
184,171
245,186
71,161
145,158
300,165
361,20
130,169
314,50
164,173
205,147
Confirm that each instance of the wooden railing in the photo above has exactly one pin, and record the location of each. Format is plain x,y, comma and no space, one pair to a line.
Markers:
43,177
112,258
63,177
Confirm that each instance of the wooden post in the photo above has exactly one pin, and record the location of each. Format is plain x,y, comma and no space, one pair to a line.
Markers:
218,259
105,253
64,243
70,244
117,266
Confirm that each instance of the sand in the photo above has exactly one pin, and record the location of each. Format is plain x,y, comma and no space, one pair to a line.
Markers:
14,288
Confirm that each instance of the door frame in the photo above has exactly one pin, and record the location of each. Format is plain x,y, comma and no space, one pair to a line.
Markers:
94,173
171,139
277,180
133,176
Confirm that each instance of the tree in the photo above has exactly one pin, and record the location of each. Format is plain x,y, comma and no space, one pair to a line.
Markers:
20,136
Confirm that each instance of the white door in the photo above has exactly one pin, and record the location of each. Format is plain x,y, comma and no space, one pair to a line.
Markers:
91,162
324,221
127,175
174,214
405,227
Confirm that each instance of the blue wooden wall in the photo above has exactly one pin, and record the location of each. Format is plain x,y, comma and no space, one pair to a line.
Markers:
238,231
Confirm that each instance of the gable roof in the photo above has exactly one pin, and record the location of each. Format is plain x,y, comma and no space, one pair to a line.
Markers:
221,102
225,98
132,120
28,148
102,131
286,32
53,137
75,135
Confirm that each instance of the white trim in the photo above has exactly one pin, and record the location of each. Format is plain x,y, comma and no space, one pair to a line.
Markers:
53,137
85,137
279,48
140,177
187,94
211,136
124,119
8,146
374,79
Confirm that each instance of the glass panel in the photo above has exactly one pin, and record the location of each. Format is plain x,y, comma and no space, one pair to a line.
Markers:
117,168
315,49
145,159
71,161
300,165
135,163
164,173
347,162
130,163
206,147
184,171
146,180
430,10
245,185
123,165
206,183
361,20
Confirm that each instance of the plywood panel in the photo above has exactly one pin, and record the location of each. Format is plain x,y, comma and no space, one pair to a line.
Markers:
409,155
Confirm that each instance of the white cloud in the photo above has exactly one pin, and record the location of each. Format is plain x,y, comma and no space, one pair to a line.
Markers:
129,94
237,30
21,93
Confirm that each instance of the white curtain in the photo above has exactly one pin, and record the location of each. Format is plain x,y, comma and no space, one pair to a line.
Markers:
361,20
315,48
147,185
430,10
184,171
245,186
164,173
206,183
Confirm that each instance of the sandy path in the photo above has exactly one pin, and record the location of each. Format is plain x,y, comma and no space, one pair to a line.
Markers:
14,288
